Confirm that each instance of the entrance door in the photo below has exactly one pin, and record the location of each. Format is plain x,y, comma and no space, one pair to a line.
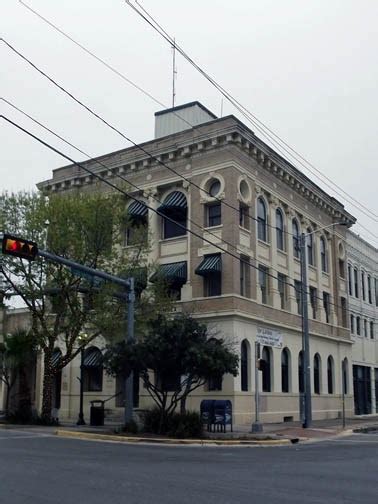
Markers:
362,390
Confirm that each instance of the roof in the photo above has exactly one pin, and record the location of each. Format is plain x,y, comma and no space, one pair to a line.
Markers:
184,106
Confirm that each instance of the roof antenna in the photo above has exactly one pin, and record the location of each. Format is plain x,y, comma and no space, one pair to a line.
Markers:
174,73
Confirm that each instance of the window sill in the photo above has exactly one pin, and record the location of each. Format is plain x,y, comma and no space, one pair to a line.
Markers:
218,226
246,230
263,243
174,238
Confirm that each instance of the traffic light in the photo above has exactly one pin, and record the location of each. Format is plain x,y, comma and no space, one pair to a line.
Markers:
19,247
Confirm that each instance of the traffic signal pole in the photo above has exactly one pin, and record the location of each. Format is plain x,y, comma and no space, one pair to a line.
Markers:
305,338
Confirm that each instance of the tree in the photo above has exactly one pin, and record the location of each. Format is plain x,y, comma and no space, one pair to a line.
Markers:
175,357
89,229
17,355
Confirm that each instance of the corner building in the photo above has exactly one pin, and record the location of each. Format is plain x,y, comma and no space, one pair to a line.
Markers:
235,192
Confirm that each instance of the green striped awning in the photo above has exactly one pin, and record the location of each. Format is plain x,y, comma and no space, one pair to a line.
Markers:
92,357
56,356
174,201
173,272
137,209
210,264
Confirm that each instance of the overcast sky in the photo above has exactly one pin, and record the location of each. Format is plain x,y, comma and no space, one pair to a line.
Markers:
306,69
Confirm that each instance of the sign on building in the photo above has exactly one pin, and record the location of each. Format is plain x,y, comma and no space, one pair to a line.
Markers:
268,337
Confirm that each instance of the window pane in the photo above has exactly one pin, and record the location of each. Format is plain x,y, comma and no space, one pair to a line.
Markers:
214,215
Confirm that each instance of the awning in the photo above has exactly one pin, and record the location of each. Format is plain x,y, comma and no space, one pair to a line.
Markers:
175,201
56,356
92,358
211,264
137,209
174,272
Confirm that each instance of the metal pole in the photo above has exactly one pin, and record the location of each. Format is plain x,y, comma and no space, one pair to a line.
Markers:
81,420
129,384
344,390
305,337
257,425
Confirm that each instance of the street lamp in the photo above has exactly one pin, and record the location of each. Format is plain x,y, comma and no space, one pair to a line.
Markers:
305,333
82,339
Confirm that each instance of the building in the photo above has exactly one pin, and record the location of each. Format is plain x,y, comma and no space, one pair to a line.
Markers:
363,306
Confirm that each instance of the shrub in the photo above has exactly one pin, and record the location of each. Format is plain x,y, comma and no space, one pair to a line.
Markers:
177,425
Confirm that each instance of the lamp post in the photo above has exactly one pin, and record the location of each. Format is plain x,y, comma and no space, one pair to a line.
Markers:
81,420
305,330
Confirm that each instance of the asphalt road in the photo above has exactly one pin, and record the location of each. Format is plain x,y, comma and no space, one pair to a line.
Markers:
37,468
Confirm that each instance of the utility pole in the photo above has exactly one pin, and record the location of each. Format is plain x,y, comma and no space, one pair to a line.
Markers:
129,383
257,425
305,337
81,420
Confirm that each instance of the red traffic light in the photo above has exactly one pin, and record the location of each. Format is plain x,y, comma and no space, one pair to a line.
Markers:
19,248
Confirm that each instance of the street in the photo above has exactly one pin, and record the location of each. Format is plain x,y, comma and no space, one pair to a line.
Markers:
40,468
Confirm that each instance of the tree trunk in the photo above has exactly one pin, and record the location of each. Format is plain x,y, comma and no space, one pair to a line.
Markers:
48,382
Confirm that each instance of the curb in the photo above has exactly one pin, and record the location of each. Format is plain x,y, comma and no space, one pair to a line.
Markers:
90,436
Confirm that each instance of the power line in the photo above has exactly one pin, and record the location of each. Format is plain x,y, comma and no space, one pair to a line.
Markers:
129,195
267,132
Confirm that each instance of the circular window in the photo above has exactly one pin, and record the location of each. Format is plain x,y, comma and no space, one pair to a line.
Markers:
244,189
214,188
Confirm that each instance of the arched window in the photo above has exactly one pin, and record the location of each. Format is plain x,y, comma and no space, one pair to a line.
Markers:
344,372
323,254
137,223
266,371
296,239
330,374
310,247
279,229
300,372
244,365
285,362
261,220
175,207
92,370
317,374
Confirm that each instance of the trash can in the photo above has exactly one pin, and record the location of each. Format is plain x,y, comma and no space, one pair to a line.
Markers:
97,413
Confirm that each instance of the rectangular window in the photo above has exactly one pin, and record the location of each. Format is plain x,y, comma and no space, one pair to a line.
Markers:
244,276
214,215
243,216
282,281
356,283
214,383
363,285
298,295
263,281
365,328
313,301
343,312
213,285
350,281
370,297
358,326
352,324
341,268
372,335
326,305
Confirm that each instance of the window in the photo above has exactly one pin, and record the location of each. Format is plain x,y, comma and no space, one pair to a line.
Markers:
243,216
244,276
136,232
279,230
350,281
244,365
358,326
323,254
285,370
344,370
326,305
356,283
264,285
213,285
215,383
300,372
214,188
266,357
213,215
370,297
282,281
365,328
310,247
261,220
317,374
211,270
92,370
330,374
343,311
376,290
314,301
363,285
352,324
372,331
298,295
341,268
174,214
296,239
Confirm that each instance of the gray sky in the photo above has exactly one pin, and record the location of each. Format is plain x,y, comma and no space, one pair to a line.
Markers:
306,69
